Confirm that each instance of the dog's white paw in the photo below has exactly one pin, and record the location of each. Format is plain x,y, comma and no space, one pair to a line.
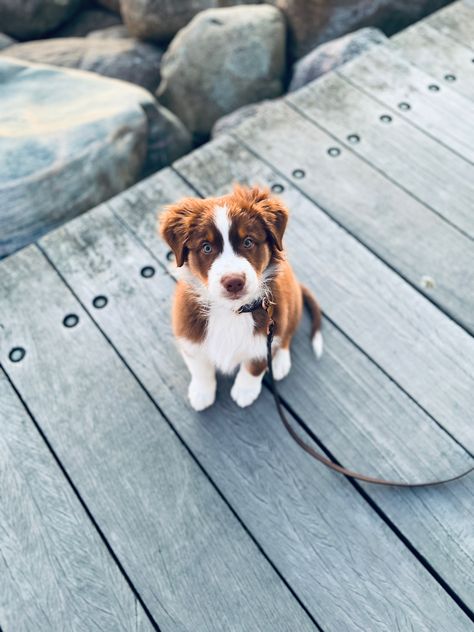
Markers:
281,364
245,395
246,388
201,396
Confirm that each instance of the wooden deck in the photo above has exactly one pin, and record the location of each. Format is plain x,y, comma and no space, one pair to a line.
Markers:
122,509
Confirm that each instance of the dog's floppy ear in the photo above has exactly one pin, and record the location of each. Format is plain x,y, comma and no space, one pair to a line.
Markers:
174,227
274,213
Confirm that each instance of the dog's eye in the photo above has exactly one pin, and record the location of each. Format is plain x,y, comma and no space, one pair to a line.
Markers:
207,248
248,243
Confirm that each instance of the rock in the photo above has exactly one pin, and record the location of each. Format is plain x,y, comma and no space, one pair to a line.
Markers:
168,139
315,22
126,59
5,41
223,59
27,19
111,5
229,122
87,21
111,32
332,54
160,20
69,141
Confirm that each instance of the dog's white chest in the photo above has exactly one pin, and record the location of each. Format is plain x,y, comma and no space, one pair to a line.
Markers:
230,339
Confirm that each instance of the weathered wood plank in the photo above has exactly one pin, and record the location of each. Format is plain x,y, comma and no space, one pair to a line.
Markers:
139,205
398,228
399,329
444,114
422,166
437,521
447,61
360,415
55,571
185,552
455,20
316,534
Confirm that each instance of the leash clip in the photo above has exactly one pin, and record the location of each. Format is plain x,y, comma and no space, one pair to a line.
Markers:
267,305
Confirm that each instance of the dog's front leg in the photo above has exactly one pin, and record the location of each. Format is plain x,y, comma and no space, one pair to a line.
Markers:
202,388
248,382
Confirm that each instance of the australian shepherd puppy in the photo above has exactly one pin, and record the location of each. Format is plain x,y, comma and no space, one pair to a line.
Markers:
230,251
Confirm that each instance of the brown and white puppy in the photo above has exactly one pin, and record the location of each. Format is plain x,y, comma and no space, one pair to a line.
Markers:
231,252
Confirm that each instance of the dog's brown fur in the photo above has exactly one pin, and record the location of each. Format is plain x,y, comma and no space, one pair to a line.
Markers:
254,213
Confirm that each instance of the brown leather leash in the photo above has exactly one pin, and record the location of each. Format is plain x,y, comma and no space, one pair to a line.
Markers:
268,307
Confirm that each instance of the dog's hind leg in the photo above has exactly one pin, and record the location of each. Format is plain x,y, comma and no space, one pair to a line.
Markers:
281,363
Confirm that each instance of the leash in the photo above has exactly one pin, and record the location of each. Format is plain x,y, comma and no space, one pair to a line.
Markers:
268,307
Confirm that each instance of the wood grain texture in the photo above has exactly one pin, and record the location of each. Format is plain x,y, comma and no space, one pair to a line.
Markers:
388,77
364,420
360,415
455,20
422,166
185,552
397,327
347,567
452,59
55,572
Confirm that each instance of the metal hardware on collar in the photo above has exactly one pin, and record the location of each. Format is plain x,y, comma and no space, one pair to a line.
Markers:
261,303
267,305
309,449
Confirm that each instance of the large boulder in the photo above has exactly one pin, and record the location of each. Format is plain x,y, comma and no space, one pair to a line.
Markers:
111,5
6,41
126,59
68,141
86,21
314,22
27,19
160,20
223,59
332,54
111,32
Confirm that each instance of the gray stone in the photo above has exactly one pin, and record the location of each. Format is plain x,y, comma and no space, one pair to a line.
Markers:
26,19
111,32
160,20
223,59
332,54
168,139
111,5
126,59
314,22
5,41
229,122
70,140
86,21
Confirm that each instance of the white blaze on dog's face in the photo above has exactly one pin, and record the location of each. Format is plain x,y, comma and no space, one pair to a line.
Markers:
232,277
227,244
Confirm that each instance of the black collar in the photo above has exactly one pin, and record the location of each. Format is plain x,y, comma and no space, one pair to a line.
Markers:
251,307
259,303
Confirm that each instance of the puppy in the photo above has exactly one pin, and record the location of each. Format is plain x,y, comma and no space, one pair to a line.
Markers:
231,254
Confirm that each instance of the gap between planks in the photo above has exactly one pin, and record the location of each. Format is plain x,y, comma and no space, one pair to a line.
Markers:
367,493
51,241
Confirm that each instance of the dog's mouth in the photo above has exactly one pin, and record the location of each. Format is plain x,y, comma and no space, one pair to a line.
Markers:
238,296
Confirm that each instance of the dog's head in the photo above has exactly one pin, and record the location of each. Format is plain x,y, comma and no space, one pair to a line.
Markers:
229,244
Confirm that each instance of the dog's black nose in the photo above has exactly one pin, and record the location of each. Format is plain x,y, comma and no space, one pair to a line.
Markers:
233,283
